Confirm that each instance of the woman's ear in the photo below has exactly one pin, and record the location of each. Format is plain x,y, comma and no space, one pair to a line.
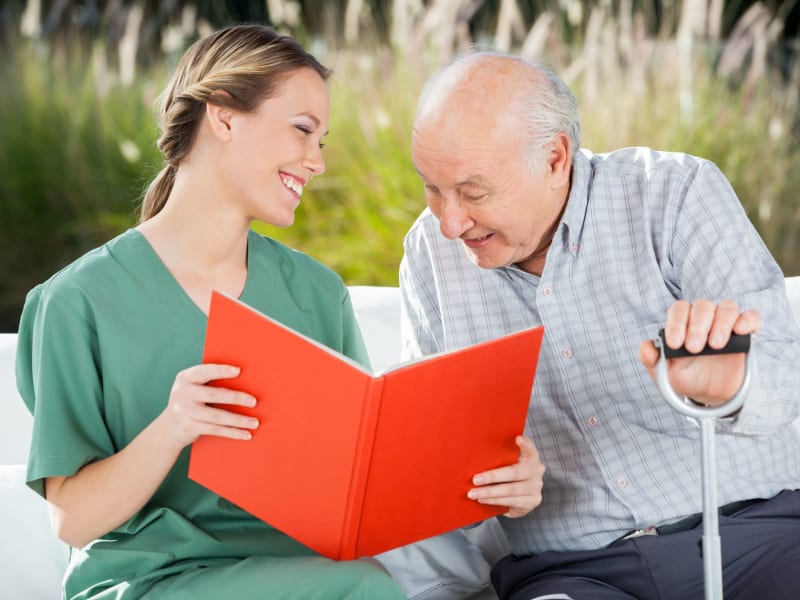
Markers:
219,120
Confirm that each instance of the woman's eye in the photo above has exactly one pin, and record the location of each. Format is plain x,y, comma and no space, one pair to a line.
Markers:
305,129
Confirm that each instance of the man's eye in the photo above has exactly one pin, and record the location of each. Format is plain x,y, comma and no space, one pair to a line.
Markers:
473,197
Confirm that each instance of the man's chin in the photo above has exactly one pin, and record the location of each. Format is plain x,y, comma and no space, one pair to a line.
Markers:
483,259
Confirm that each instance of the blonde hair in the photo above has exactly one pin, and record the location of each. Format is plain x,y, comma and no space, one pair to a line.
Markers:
236,67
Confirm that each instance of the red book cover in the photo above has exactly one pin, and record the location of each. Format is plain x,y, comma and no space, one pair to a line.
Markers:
352,463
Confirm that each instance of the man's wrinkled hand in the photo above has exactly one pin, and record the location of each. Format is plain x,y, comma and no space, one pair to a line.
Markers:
517,486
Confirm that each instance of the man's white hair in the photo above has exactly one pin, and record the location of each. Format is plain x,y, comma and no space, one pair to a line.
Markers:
544,110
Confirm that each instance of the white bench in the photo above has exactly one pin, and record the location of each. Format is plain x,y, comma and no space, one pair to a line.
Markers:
32,559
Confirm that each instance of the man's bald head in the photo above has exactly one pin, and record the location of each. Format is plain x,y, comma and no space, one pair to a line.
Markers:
502,90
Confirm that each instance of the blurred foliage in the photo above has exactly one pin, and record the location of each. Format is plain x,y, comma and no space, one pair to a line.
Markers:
77,140
72,163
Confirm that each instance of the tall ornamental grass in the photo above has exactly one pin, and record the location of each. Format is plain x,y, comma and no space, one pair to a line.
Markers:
72,161
77,138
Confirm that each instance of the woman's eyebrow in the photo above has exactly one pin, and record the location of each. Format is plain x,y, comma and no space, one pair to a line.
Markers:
311,116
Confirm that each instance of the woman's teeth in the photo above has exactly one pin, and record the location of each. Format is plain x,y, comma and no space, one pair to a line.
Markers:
292,185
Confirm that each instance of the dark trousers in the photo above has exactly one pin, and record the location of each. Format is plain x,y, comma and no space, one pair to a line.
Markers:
760,561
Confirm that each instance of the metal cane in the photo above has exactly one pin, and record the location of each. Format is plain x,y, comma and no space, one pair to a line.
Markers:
712,554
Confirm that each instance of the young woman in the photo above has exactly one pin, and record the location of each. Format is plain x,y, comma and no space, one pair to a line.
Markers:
110,347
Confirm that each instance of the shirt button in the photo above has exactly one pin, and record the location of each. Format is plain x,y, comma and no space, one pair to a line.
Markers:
548,291
575,247
592,421
566,353
623,483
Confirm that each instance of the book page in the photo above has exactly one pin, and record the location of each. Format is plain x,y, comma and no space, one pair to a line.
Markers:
295,471
441,422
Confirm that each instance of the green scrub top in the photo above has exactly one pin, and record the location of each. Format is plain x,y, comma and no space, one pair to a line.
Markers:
99,346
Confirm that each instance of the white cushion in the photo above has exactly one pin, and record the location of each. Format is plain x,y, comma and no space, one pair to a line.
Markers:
378,312
793,291
32,558
16,422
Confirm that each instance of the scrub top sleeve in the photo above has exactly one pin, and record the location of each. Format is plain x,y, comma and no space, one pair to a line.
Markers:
58,375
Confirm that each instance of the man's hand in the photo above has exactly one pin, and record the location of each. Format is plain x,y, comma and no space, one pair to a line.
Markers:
710,380
517,486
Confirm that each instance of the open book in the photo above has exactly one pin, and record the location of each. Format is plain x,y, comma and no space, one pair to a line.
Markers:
351,463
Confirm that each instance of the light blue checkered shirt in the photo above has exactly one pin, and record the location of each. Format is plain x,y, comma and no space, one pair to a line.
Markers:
641,229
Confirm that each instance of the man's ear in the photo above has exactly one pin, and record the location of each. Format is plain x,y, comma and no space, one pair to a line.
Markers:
219,119
559,160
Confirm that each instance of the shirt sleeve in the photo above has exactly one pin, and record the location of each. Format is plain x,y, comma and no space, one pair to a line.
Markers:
58,376
716,253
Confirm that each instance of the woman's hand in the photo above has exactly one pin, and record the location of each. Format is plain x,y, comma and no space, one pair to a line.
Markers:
129,478
196,409
517,486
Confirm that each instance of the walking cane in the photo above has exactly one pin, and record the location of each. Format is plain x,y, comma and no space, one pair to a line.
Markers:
706,416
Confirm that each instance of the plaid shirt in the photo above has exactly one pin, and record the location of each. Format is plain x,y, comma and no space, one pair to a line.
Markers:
641,229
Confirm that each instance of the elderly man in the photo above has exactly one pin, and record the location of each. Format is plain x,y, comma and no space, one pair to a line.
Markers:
523,228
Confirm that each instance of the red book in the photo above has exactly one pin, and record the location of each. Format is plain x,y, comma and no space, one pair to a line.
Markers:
352,463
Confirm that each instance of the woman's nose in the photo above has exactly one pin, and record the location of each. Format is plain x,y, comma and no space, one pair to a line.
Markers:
314,161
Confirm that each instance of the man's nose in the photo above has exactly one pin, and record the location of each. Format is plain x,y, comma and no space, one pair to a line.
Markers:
454,220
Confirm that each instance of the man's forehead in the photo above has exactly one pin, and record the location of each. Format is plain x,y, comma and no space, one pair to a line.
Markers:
474,179
453,167
479,76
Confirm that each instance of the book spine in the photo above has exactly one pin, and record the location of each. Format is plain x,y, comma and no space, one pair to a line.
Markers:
361,466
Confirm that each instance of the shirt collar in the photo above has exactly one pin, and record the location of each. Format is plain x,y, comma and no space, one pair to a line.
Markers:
571,228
